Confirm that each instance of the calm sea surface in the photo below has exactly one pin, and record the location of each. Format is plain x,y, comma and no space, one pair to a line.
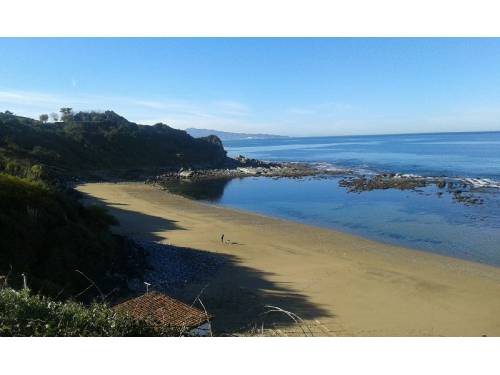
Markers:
423,220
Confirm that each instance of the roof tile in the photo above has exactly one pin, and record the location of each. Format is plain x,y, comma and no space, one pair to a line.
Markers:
162,310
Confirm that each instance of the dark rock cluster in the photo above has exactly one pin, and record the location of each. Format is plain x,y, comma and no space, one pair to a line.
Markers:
243,167
382,181
461,191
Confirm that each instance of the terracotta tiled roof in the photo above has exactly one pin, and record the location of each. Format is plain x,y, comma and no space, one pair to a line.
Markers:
162,310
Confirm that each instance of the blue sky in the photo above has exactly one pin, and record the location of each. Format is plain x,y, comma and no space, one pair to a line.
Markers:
302,87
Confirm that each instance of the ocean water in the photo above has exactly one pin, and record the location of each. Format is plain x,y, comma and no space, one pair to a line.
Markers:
447,154
422,219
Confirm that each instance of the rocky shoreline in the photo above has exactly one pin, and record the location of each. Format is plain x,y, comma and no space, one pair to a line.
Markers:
245,167
463,190
171,268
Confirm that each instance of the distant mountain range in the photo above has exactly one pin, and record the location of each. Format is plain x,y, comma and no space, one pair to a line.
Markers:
229,136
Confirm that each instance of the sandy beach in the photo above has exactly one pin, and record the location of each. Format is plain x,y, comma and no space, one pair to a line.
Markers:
339,283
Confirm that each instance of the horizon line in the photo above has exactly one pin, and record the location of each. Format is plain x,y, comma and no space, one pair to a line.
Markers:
300,136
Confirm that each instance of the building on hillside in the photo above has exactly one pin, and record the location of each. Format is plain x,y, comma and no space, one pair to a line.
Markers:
166,312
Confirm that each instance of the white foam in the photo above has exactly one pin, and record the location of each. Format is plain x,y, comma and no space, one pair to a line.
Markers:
482,182
409,175
328,167
474,182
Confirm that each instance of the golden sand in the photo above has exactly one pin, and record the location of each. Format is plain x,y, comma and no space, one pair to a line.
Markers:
350,285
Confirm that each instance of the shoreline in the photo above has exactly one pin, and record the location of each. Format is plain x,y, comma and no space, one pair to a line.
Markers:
167,189
353,286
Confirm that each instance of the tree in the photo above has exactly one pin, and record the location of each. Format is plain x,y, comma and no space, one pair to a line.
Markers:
43,117
54,116
66,113
8,113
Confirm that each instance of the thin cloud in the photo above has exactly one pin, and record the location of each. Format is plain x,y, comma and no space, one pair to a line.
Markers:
325,118
225,113
232,108
25,97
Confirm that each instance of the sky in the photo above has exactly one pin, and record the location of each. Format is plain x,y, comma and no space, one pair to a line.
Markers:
288,86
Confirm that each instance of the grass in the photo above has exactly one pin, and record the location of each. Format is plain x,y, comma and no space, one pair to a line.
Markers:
48,235
25,314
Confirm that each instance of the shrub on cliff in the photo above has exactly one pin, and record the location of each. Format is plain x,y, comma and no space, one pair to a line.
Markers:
25,314
89,141
48,235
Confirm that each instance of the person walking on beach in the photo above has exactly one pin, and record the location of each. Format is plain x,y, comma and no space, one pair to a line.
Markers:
222,238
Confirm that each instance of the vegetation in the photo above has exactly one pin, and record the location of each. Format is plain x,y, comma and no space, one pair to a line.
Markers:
66,114
43,118
44,231
49,236
86,142
24,314
54,116
64,248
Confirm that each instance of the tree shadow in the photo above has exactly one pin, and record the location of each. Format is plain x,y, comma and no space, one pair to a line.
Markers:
145,226
241,298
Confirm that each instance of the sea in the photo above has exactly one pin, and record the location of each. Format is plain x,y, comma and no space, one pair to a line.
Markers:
423,219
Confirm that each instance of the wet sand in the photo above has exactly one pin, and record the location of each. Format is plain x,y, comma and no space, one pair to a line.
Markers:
339,283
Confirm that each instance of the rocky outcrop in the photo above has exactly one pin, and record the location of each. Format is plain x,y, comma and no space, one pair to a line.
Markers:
382,181
244,168
254,163
186,173
461,191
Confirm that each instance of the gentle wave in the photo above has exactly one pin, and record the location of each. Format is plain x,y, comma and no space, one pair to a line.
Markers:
459,143
300,146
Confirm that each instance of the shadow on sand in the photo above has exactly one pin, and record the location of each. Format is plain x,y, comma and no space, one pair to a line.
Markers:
133,223
241,298
237,296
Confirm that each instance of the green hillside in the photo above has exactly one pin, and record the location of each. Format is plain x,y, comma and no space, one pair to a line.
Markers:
48,235
44,231
87,142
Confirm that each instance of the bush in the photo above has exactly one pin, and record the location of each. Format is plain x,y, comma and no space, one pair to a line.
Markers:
49,235
90,141
24,314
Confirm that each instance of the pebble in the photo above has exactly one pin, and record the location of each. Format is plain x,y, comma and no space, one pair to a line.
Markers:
172,268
